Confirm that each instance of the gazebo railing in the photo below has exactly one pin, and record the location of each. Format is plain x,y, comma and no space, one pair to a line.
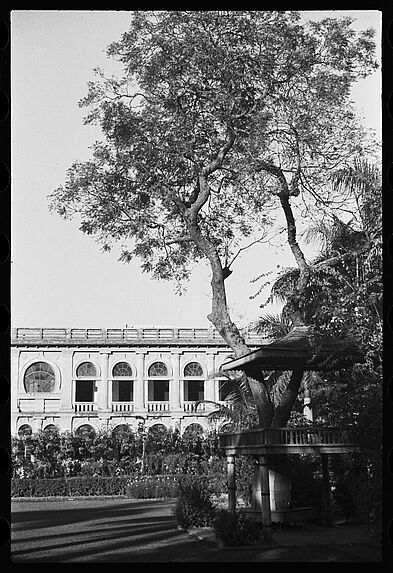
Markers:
299,436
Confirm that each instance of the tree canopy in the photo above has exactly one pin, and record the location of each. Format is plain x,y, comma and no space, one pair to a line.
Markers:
216,122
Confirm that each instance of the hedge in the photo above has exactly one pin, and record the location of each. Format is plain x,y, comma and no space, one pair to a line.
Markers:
69,487
153,487
142,487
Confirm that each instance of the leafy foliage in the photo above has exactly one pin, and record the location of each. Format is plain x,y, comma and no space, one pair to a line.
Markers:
214,123
237,410
53,455
193,504
237,529
343,300
71,486
251,88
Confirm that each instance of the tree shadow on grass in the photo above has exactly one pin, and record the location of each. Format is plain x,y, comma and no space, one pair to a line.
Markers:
57,516
130,531
92,542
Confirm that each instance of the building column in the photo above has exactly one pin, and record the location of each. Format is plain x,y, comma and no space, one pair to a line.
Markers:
261,495
327,513
139,383
102,401
231,483
210,385
67,397
174,384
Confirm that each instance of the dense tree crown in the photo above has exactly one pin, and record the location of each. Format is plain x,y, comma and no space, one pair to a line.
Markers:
216,122
244,100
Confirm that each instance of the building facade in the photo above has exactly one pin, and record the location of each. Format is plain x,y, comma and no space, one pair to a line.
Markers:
78,379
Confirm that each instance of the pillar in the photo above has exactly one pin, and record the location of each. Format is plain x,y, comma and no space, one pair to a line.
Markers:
67,397
262,495
174,384
103,387
327,513
139,399
231,483
210,385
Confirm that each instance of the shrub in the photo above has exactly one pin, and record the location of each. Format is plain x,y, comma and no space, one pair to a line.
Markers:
148,487
193,504
233,528
31,487
244,477
76,486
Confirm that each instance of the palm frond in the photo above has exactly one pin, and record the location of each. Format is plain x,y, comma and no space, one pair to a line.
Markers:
273,325
237,391
279,387
357,178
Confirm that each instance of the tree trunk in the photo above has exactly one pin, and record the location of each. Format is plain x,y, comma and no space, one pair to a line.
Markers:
219,315
283,410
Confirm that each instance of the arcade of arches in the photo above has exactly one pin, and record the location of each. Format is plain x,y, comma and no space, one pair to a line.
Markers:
73,386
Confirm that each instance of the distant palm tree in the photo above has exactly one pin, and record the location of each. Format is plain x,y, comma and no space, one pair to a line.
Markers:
276,326
238,407
273,325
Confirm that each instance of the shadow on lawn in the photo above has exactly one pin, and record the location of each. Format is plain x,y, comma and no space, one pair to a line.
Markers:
47,516
132,531
137,531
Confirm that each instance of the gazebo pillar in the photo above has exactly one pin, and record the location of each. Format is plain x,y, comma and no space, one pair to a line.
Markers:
262,495
327,513
231,483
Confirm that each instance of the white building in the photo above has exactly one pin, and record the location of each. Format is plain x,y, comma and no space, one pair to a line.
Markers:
104,378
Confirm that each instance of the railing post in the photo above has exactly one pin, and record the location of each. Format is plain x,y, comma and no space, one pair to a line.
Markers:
262,495
231,483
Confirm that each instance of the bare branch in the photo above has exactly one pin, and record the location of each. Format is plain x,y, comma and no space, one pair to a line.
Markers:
260,240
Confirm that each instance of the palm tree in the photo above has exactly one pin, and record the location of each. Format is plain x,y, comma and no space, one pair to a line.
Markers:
238,408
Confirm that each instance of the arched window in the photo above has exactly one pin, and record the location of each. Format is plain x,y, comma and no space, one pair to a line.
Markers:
86,370
193,369
122,431
157,430
158,390
85,431
194,387
123,389
51,429
39,377
158,369
192,431
122,369
25,431
86,386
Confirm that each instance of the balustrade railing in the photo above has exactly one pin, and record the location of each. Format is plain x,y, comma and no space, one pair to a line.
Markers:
158,406
191,407
307,436
114,335
122,407
85,407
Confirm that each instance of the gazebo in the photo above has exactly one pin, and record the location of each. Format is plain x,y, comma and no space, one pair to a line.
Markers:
297,350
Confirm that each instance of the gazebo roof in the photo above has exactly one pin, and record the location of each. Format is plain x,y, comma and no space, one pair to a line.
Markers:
298,349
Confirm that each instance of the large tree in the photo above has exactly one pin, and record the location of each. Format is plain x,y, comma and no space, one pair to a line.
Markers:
218,121
343,298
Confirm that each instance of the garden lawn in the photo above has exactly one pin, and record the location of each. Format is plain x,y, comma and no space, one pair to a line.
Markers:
124,530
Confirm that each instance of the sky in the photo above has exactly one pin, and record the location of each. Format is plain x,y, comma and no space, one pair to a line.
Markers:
59,276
